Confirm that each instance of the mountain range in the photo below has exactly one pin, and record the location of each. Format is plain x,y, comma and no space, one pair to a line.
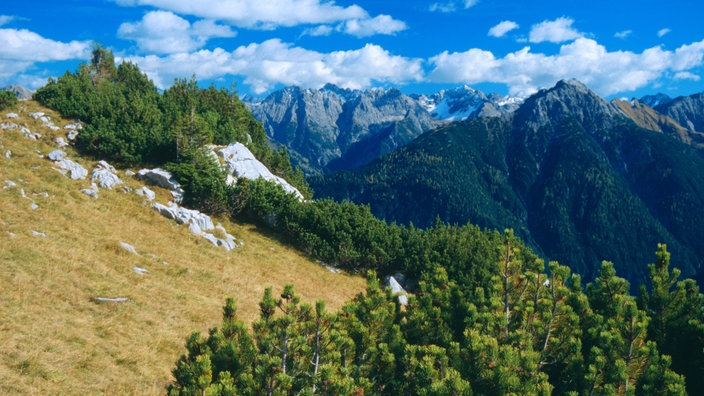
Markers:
331,128
581,179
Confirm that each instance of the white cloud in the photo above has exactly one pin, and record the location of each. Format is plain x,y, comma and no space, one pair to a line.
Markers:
21,50
5,19
502,28
524,72
273,62
382,24
663,32
687,76
557,31
164,32
322,30
623,34
452,6
257,14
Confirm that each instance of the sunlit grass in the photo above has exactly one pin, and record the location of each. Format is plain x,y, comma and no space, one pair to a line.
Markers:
56,339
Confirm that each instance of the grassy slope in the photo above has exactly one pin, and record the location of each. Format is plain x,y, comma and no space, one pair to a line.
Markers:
54,337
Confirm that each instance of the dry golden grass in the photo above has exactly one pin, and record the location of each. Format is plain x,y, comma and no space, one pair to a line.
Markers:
56,339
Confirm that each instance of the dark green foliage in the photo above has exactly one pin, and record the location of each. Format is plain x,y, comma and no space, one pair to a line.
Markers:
129,122
8,99
525,331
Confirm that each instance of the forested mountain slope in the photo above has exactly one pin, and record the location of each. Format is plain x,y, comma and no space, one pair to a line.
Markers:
569,171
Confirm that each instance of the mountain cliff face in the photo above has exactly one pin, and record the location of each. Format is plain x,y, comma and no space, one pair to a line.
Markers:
334,128
464,102
571,173
688,111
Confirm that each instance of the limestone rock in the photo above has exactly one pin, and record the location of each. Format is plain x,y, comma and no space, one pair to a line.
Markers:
37,115
162,179
240,162
56,155
166,211
128,247
91,192
14,116
397,290
60,142
105,175
145,192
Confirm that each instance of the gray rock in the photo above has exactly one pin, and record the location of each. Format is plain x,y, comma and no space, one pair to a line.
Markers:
9,126
60,142
72,169
189,216
240,162
34,206
129,173
91,192
167,211
104,178
38,234
128,247
37,115
8,154
14,116
72,134
145,192
397,290
140,270
164,179
56,155
9,184
104,165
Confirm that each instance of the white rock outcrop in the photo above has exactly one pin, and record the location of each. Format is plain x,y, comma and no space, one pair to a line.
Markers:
240,162
105,175
198,223
164,179
66,166
398,291
146,193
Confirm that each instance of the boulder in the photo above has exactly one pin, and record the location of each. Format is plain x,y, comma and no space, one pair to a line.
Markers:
397,290
162,179
36,115
91,192
128,247
72,169
240,162
104,175
145,192
190,216
167,211
9,126
60,142
13,116
71,135
56,155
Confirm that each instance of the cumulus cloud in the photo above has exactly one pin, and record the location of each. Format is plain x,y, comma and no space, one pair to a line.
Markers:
382,24
257,14
557,31
164,32
452,6
21,50
687,76
663,32
264,65
502,28
623,34
524,72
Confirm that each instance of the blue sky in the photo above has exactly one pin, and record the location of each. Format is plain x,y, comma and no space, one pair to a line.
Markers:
618,48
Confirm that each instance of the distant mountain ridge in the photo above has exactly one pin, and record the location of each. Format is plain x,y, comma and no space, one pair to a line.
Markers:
333,128
21,92
573,174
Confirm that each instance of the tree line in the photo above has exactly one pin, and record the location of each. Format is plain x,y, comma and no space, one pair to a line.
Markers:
529,330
